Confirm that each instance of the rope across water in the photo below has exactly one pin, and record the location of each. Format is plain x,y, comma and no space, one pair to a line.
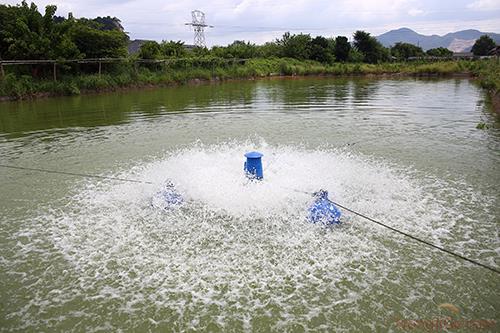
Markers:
417,239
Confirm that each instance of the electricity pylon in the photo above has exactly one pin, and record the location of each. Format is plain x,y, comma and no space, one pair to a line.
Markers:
199,25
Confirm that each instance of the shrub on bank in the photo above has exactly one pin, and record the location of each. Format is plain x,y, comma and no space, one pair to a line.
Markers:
22,86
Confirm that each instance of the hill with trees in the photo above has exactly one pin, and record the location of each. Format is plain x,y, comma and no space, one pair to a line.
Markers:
405,35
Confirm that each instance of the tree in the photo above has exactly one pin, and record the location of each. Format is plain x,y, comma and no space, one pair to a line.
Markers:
21,32
109,23
99,43
199,51
269,50
355,56
483,45
439,52
322,50
372,50
150,50
238,49
295,46
173,49
27,34
342,48
403,51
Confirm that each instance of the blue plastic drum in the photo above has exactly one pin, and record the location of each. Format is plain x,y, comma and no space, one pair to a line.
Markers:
253,165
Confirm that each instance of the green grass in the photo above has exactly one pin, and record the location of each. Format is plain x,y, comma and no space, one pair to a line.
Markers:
488,73
24,86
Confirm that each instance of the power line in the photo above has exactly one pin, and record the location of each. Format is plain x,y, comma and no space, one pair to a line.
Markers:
74,174
423,241
457,255
417,238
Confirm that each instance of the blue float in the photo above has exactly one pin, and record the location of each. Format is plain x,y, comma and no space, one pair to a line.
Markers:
168,197
323,210
253,165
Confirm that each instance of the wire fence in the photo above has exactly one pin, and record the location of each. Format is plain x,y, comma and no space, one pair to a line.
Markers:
165,63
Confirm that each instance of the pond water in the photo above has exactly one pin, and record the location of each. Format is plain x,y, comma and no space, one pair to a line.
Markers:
91,254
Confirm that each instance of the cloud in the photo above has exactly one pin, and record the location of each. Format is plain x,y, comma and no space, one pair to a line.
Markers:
415,12
484,5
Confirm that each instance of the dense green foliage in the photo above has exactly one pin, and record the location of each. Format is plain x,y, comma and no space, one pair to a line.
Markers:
27,34
373,52
322,50
439,52
342,48
403,51
150,50
295,46
238,49
95,43
163,50
483,45
180,71
488,72
304,47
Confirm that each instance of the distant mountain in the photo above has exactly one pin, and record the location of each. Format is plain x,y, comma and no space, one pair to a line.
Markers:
459,41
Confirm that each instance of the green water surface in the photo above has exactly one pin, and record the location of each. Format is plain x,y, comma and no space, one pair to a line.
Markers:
425,129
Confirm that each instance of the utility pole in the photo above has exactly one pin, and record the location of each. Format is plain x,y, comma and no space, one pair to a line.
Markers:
199,25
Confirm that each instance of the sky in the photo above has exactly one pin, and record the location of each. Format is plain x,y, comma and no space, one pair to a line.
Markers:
260,21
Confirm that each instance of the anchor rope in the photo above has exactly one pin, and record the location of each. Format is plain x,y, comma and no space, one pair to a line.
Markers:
423,241
417,239
74,174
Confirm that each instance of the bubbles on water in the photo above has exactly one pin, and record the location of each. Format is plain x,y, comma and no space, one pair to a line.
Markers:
239,250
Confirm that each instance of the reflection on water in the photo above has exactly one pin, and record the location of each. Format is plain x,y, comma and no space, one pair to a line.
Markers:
116,108
24,117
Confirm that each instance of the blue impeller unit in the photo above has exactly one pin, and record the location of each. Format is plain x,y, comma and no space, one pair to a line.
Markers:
253,165
323,210
168,197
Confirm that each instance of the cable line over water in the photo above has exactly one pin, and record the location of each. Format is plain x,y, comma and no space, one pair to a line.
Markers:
74,174
417,239
423,241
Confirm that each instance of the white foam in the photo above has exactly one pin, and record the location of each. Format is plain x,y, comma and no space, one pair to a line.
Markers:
238,249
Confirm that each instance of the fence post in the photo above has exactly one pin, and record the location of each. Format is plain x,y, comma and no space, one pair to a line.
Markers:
55,71
99,67
2,73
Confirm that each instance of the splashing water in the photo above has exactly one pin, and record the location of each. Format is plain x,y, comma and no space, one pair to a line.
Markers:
240,255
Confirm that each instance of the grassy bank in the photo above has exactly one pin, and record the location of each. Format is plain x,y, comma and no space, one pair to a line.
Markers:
15,86
488,74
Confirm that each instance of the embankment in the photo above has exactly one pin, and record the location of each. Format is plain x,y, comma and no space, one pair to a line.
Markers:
15,85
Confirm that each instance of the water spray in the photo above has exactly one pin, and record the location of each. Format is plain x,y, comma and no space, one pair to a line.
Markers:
323,210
